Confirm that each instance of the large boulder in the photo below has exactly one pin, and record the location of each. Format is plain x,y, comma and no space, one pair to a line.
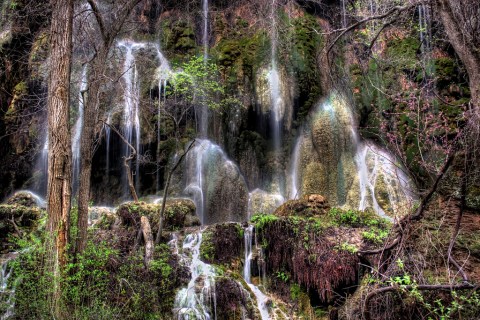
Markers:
216,185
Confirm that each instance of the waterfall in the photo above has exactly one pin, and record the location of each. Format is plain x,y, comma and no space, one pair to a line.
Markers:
131,117
260,296
196,300
77,130
42,168
344,15
276,103
294,191
215,184
107,141
163,74
375,164
425,38
7,295
195,176
205,30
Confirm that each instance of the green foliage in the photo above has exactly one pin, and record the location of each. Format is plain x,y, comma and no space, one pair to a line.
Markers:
207,248
347,247
196,83
261,220
375,235
357,218
295,291
283,276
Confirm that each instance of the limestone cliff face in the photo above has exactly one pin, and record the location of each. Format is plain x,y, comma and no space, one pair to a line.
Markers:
22,92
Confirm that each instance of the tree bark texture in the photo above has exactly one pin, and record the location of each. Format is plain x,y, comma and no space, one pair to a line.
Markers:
59,140
459,19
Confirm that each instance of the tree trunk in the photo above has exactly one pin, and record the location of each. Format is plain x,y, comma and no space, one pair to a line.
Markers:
464,43
148,238
90,119
96,79
60,150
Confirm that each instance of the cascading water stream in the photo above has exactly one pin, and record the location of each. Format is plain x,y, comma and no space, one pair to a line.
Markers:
78,129
131,114
107,141
274,84
7,293
344,15
260,296
131,117
197,300
42,168
195,176
205,30
294,192
163,74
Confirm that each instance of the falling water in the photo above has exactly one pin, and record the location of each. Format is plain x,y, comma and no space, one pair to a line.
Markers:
163,74
294,192
7,295
42,168
367,181
344,15
78,129
274,85
261,298
107,140
375,164
131,115
205,30
195,176
196,300
425,38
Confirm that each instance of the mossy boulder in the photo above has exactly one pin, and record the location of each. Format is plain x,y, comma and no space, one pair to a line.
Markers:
326,164
303,252
309,206
27,199
16,220
233,301
222,244
179,213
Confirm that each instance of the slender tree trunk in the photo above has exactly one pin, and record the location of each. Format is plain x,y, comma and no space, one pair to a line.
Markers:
90,119
108,28
59,185
165,193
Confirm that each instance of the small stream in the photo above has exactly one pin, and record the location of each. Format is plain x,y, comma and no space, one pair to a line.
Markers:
260,296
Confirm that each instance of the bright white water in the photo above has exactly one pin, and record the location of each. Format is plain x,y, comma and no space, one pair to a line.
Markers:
77,130
131,116
108,132
197,300
374,164
274,85
202,160
7,295
163,74
41,168
131,81
39,201
205,30
294,192
260,296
